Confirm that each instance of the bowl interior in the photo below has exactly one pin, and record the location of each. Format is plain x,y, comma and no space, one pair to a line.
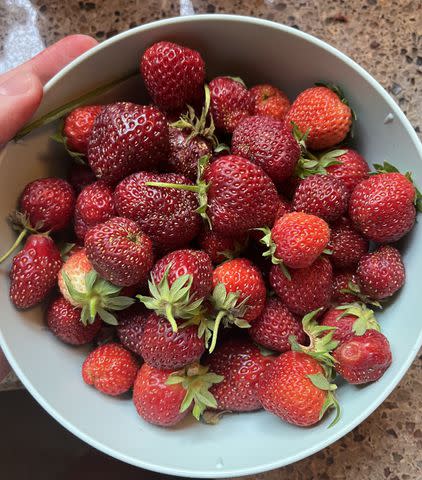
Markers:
257,51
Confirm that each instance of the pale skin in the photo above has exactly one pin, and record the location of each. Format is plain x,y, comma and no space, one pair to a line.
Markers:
21,91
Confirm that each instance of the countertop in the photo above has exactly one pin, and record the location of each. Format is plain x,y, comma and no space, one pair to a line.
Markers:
385,37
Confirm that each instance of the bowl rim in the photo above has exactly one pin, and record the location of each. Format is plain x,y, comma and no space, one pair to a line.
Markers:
330,438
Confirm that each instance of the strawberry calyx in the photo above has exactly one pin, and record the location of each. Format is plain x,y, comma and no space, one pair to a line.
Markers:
268,242
355,290
321,381
204,323
60,138
99,298
227,311
196,380
321,342
201,188
317,165
200,126
365,317
172,301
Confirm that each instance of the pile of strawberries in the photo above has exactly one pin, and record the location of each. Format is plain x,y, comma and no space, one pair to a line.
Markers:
214,278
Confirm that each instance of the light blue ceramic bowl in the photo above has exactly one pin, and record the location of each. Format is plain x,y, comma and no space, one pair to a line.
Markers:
257,51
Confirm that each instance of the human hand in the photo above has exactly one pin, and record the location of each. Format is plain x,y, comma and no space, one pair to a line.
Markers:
21,91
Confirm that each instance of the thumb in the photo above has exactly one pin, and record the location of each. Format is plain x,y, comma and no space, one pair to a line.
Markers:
20,95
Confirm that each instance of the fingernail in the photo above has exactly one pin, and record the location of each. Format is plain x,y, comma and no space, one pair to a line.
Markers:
16,85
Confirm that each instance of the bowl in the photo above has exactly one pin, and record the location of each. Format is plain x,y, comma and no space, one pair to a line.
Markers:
256,50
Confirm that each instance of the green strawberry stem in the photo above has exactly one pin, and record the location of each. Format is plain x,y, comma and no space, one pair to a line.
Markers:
16,244
68,107
178,186
216,326
170,318
322,382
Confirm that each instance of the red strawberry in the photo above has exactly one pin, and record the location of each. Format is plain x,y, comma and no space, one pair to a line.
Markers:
164,399
241,364
174,75
270,101
64,320
381,273
220,248
283,207
291,389
34,271
94,205
350,320
80,285
324,113
167,216
351,169
346,244
240,275
230,103
382,207
179,282
240,196
308,289
269,143
126,138
78,126
321,195
163,348
119,251
185,152
298,239
130,327
80,176
275,325
363,359
342,281
111,369
48,204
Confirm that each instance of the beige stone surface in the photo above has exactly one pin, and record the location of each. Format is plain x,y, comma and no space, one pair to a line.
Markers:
383,36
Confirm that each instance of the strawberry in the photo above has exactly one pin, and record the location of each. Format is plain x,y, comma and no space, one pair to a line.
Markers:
381,273
241,364
78,125
269,101
126,138
283,207
324,113
165,349
267,142
321,195
308,289
34,271
80,176
167,216
111,369
81,286
185,152
275,325
296,240
382,207
241,276
220,248
230,102
94,205
179,282
350,167
164,398
346,244
173,74
342,281
130,327
119,251
364,358
350,320
234,195
64,320
295,389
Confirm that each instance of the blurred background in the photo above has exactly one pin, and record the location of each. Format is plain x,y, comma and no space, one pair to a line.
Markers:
385,37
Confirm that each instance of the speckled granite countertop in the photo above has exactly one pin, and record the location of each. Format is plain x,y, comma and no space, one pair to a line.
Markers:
385,37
